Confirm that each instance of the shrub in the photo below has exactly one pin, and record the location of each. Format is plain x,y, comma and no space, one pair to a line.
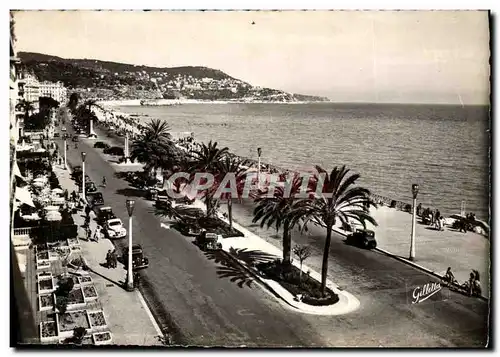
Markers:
393,204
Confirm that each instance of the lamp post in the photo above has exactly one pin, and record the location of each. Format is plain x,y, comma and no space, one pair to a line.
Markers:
84,154
127,160
259,152
414,190
65,148
130,279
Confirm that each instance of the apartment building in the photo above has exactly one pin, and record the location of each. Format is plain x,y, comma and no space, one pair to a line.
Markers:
56,91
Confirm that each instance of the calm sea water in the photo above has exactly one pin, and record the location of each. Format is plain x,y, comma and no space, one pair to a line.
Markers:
442,148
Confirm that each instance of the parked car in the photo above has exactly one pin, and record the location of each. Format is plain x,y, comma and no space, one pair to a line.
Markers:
113,228
77,171
104,214
101,145
139,261
96,199
363,238
90,187
114,150
75,138
56,135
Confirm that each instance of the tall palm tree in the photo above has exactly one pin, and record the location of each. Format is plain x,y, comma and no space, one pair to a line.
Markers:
206,158
277,211
338,199
157,129
232,165
154,147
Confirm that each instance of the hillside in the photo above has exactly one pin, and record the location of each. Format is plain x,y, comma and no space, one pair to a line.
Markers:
112,80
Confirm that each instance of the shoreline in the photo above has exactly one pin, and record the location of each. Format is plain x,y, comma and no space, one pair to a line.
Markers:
129,123
175,102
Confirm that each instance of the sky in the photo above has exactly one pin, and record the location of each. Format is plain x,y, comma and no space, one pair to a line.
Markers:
348,56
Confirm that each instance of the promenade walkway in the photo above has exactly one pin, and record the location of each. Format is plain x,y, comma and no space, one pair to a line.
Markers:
129,319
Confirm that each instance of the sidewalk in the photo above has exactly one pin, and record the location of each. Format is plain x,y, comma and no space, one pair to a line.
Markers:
130,321
434,250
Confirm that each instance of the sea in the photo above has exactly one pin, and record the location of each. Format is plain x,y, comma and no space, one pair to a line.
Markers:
442,148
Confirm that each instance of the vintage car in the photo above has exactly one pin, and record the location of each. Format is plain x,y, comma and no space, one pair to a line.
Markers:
74,138
113,228
363,238
95,199
90,187
103,214
138,259
208,241
56,134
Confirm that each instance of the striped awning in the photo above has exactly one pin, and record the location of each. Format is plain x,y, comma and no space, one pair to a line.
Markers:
17,172
24,196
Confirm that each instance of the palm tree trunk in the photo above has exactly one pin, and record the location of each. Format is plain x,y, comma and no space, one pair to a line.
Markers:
287,244
230,212
324,266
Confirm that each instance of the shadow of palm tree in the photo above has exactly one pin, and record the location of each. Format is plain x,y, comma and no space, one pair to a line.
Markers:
229,269
132,192
251,257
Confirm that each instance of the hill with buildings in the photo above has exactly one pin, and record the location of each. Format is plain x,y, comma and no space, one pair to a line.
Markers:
106,80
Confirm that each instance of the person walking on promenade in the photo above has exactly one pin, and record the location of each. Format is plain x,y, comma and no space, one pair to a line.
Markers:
109,262
97,233
419,210
88,232
104,181
114,259
87,211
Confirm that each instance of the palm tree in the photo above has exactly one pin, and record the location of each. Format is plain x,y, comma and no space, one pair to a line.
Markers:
232,165
206,159
157,129
277,211
339,199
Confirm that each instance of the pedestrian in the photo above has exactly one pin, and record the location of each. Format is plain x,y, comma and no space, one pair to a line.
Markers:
109,262
114,258
89,233
419,210
87,211
442,223
97,233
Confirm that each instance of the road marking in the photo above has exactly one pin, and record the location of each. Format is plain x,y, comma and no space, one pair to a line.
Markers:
245,313
150,315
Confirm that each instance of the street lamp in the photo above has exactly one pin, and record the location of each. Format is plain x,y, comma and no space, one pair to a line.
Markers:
414,190
65,148
84,154
130,280
259,152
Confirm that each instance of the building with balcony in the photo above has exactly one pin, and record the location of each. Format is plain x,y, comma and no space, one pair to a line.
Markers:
31,89
56,91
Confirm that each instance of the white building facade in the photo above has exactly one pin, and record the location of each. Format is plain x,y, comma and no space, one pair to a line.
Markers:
56,91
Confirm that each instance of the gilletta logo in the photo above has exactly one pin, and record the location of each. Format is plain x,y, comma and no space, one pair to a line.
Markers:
422,293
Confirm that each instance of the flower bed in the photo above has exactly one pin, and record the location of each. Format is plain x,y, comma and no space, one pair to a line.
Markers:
46,285
46,302
89,292
85,279
70,320
53,256
60,278
48,331
75,299
288,277
43,265
101,338
97,319
42,256
44,275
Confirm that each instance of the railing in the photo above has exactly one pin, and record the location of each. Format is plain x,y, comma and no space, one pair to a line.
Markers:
24,231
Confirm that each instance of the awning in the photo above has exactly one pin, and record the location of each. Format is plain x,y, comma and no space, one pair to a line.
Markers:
24,196
17,172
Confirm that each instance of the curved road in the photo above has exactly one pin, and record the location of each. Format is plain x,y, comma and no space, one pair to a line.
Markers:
211,304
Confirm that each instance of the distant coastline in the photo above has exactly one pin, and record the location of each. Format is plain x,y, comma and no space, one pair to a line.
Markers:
173,102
